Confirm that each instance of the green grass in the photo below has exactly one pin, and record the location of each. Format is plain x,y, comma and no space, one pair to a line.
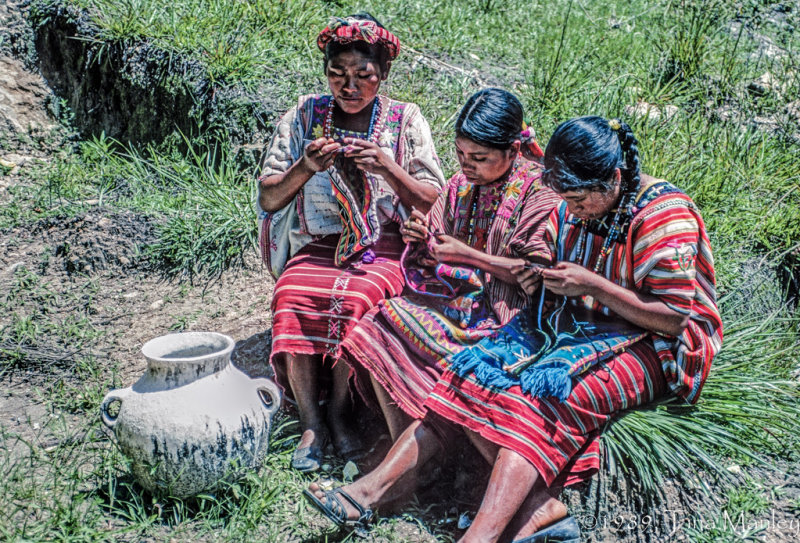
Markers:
563,58
201,200
212,225
561,62
749,410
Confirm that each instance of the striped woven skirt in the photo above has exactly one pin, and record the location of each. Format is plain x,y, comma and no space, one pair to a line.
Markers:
315,305
402,344
561,440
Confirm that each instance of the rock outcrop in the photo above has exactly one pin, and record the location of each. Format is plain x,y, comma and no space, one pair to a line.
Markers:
134,91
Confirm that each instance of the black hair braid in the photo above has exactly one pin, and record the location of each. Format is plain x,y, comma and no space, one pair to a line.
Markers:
583,154
630,153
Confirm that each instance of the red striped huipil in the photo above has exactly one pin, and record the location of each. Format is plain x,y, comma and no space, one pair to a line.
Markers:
665,253
403,341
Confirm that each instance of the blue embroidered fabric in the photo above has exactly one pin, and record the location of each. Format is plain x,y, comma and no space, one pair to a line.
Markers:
542,358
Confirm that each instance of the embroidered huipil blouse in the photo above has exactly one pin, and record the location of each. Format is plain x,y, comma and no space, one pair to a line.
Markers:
404,135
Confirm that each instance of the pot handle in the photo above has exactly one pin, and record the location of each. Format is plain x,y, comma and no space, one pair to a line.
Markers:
114,396
270,395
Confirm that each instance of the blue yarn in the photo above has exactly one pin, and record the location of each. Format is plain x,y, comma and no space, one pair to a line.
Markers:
464,362
494,377
549,380
550,350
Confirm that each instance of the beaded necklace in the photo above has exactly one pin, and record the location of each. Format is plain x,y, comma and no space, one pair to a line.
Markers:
474,208
621,214
372,131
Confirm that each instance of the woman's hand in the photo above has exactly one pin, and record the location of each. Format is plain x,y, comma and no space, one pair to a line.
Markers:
319,154
641,309
528,278
367,156
415,228
277,190
371,158
448,249
569,279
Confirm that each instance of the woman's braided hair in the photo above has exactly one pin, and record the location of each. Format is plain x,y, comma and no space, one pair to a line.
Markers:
630,150
583,153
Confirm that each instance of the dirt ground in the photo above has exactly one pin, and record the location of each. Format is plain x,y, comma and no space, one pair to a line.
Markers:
98,251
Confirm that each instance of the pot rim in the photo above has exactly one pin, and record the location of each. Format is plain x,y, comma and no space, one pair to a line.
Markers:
158,349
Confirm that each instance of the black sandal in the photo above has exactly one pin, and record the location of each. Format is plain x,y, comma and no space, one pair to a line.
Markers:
309,459
566,530
335,511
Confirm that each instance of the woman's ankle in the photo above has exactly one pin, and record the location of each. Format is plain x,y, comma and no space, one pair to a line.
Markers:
313,436
547,514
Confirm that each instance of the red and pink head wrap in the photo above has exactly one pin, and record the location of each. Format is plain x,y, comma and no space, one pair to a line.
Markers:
351,29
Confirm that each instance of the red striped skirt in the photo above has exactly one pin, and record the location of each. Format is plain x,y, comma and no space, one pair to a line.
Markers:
315,305
402,343
375,347
561,440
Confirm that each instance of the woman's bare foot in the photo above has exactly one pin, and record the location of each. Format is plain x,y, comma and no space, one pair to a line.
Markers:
313,437
392,479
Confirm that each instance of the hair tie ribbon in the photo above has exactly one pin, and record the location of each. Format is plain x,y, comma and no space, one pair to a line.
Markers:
528,137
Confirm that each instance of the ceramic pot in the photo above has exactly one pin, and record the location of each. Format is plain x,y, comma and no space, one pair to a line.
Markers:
193,419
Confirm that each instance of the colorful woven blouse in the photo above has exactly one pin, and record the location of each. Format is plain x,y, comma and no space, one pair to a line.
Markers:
666,253
404,135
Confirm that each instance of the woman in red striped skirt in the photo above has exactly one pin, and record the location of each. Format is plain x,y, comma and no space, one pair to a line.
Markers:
341,173
626,313
459,288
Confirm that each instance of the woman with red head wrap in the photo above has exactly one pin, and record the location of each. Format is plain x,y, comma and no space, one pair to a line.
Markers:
341,173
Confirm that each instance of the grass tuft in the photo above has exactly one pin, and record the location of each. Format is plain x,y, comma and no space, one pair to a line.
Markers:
749,412
209,225
213,224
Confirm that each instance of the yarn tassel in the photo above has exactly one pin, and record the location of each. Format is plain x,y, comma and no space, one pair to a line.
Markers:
547,381
494,377
464,362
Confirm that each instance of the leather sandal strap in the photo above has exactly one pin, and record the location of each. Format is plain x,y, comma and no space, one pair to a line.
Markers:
364,515
336,507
